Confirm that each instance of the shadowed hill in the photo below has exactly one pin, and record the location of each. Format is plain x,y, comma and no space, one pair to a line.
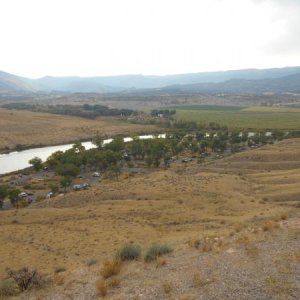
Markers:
249,80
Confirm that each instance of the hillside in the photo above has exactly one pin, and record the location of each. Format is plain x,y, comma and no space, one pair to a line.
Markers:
233,224
286,84
12,83
250,80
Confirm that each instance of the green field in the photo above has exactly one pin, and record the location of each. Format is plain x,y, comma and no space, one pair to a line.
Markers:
258,118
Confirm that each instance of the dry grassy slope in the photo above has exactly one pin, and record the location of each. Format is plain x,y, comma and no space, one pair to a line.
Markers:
176,206
27,128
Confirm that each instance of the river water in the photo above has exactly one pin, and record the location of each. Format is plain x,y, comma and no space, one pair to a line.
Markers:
18,160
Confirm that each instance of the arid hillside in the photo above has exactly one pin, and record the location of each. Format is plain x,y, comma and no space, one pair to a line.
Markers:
30,128
233,225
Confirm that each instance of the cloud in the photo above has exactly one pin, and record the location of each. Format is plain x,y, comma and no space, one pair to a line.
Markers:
286,22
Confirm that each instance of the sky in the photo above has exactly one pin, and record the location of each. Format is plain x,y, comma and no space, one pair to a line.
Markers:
151,37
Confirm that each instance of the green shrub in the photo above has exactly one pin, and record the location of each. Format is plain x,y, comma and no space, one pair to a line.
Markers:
157,250
91,262
129,252
7,288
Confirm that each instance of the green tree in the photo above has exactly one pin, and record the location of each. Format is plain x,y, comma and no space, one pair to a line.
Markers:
78,147
54,188
13,195
37,163
3,194
98,140
114,171
69,170
65,182
116,145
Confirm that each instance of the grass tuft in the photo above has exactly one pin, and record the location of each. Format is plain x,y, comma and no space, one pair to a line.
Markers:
102,287
110,268
91,262
157,250
129,252
167,287
7,288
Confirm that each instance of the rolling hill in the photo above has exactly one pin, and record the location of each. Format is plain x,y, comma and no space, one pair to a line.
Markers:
238,81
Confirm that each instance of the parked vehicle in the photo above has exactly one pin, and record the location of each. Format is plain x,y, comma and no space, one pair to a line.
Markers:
22,195
49,195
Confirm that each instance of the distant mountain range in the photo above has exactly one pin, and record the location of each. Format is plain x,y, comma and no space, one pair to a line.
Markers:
240,81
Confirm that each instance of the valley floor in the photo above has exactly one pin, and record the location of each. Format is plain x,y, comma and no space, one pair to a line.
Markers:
26,128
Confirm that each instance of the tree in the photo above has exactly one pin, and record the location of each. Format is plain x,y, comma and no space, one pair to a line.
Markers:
69,170
3,194
78,147
54,188
98,140
13,195
36,162
116,145
65,182
115,171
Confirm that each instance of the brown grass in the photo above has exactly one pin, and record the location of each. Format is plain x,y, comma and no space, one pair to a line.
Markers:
110,268
199,281
29,128
59,279
270,226
95,223
101,287
167,287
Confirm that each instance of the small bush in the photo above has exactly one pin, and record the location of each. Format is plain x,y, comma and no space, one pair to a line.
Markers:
270,226
284,217
102,287
110,268
167,287
195,243
207,245
129,252
91,262
157,250
7,288
25,278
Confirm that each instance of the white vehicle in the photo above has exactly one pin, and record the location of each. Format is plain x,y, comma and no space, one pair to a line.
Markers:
77,187
22,195
49,195
96,174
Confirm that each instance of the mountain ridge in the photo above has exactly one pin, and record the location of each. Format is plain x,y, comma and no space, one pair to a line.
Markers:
202,81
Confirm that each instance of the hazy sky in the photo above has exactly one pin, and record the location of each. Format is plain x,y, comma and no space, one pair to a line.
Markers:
110,37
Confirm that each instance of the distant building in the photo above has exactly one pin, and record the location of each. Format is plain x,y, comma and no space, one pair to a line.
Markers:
268,134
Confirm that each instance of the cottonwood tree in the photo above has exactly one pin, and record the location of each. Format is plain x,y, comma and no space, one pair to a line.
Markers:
36,162
3,194
13,195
